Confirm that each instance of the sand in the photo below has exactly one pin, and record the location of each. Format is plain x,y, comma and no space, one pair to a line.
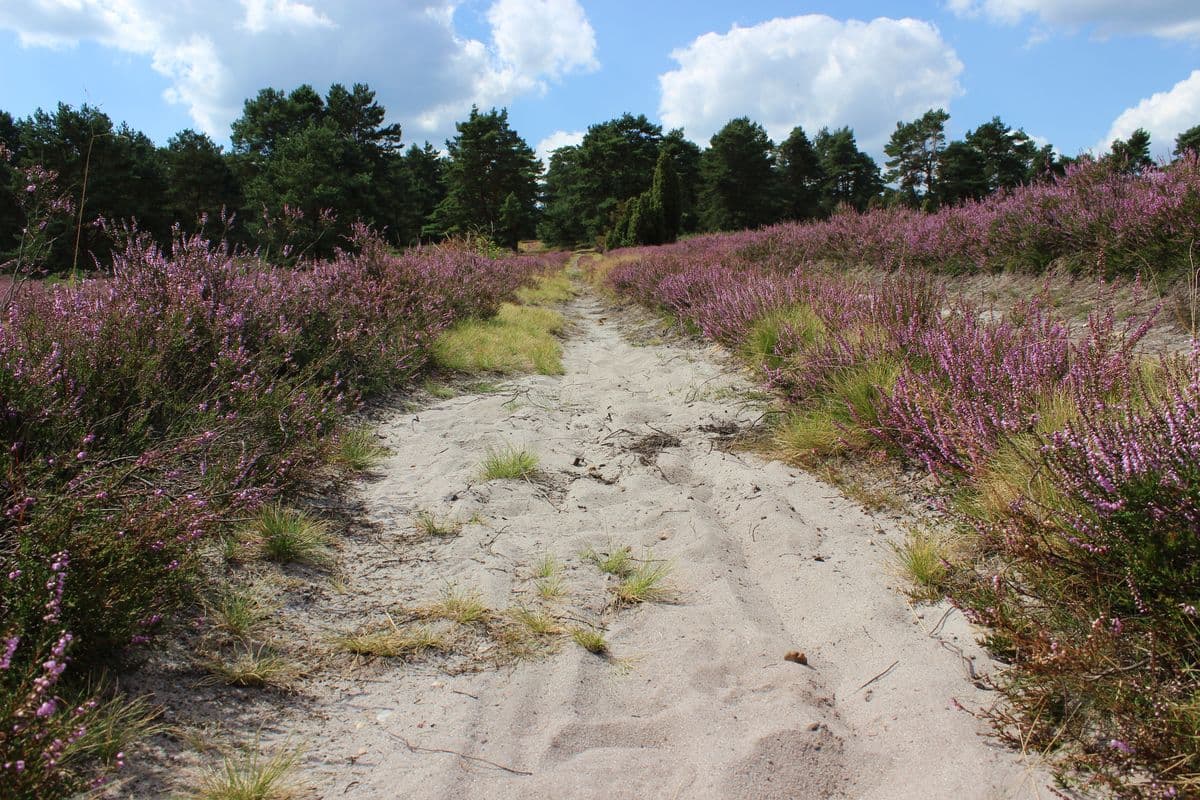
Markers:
695,698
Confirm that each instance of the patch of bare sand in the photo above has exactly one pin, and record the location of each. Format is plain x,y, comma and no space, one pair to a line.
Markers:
695,698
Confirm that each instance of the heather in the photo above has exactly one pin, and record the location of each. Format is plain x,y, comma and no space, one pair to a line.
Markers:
1065,460
1095,218
150,409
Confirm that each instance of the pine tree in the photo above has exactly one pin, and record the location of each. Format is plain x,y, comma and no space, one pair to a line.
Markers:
1132,155
487,162
1188,142
913,154
851,176
800,176
199,179
738,174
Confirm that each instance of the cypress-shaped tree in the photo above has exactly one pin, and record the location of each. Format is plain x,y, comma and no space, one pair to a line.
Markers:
666,196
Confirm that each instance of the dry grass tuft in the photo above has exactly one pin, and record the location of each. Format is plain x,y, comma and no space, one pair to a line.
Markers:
252,665
250,776
392,641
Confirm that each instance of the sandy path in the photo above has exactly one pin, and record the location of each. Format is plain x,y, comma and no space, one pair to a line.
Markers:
696,700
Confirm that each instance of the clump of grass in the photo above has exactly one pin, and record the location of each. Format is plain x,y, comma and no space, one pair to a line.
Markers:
113,725
539,623
854,393
644,584
428,524
239,612
547,290
590,639
551,588
923,559
546,567
517,340
838,420
463,607
441,391
254,666
807,434
288,535
250,776
393,641
358,449
800,321
619,562
508,462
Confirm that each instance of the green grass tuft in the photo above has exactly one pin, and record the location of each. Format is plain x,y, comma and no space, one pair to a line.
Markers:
254,666
429,524
392,641
546,567
288,535
645,584
809,433
619,562
459,606
508,462
239,613
551,588
590,639
358,449
759,348
922,559
539,623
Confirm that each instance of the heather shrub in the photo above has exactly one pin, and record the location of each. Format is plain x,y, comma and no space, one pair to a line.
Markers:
141,409
1093,219
1096,600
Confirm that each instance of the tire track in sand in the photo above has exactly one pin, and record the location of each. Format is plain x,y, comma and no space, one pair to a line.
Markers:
697,700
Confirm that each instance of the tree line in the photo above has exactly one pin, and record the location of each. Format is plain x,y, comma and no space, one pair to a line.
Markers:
303,167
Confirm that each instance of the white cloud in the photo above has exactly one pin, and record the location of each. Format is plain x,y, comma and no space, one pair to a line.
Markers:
812,71
543,37
1164,114
556,140
1169,19
263,15
411,53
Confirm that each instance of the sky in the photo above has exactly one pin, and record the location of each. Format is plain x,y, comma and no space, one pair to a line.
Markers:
1073,73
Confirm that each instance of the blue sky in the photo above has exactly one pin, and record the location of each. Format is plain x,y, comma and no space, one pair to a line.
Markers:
1071,72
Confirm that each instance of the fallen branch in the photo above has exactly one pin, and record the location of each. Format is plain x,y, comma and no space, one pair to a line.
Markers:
891,667
418,749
